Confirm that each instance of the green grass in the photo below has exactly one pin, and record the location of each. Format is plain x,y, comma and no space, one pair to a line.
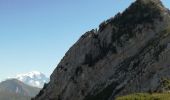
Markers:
145,96
166,32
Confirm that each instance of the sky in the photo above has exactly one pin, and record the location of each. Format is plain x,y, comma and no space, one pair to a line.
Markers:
35,34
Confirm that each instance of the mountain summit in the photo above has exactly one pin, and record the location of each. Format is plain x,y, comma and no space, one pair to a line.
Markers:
33,78
129,53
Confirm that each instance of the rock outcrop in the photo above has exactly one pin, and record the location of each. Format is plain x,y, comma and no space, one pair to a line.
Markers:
129,53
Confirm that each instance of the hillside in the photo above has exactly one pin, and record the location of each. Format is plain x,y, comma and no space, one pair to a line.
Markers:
146,96
6,95
16,90
127,54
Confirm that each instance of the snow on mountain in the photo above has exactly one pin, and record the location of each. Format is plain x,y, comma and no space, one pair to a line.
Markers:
34,78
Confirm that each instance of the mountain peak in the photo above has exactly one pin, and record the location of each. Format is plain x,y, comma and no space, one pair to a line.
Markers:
129,53
33,78
140,14
157,3
149,1
147,9
17,87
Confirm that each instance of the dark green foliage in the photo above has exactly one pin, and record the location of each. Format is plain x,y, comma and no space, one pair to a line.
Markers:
65,69
89,60
104,94
165,84
78,71
139,13
60,67
104,50
136,14
145,96
157,52
102,26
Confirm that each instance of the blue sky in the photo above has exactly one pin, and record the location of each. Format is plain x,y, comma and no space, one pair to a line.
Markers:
35,34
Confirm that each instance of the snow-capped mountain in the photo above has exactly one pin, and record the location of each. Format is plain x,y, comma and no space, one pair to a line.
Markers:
34,78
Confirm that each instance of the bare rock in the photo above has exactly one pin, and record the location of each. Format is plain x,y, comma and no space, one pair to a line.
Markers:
129,53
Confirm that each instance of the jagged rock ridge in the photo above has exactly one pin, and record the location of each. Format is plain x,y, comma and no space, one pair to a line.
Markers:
129,53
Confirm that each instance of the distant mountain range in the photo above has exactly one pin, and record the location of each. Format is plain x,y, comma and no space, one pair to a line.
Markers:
13,89
33,78
22,86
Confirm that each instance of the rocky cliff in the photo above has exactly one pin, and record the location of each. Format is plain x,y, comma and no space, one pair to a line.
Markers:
128,53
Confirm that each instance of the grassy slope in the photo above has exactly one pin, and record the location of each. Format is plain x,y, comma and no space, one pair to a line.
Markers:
146,96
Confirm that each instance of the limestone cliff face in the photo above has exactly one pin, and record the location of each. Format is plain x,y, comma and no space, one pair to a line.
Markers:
129,53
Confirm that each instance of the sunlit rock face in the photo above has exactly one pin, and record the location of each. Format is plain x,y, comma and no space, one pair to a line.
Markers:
129,53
